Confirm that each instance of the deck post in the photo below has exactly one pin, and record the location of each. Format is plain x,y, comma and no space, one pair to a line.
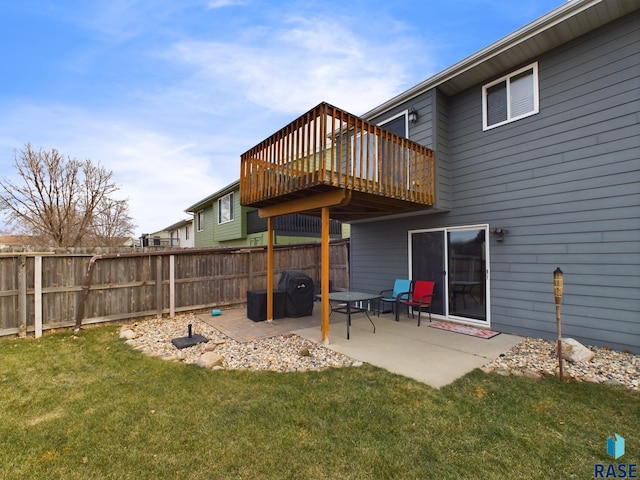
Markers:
269,269
324,282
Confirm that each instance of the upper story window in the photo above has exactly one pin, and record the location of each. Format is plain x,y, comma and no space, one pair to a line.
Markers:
225,208
396,124
510,98
200,220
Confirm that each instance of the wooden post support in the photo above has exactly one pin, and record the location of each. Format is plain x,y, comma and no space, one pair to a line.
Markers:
270,269
324,283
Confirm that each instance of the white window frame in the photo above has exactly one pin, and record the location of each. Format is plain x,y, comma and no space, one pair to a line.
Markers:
200,220
507,79
445,253
227,198
404,114
369,169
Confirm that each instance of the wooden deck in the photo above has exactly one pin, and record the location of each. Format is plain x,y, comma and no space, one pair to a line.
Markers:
329,152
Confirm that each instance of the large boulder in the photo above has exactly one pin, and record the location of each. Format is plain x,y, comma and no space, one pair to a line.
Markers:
573,351
209,360
127,334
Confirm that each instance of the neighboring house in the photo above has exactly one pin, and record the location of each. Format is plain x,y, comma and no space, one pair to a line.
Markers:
32,241
181,234
537,166
17,240
161,238
220,221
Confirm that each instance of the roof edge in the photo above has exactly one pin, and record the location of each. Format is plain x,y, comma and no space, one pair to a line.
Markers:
223,191
554,17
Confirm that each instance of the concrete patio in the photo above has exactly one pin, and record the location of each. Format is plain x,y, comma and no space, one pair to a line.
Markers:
430,355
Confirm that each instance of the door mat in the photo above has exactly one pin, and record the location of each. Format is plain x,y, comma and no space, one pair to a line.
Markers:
465,329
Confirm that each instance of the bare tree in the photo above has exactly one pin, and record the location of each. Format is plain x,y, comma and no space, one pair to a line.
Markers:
59,198
111,223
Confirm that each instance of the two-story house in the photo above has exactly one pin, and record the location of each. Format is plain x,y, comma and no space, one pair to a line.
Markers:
532,163
220,221
181,233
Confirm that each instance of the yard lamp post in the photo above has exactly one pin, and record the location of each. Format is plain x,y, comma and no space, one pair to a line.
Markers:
558,282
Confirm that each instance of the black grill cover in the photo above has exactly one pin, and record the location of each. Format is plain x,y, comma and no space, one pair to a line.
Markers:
299,290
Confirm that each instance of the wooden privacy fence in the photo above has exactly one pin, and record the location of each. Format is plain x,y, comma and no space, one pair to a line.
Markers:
41,291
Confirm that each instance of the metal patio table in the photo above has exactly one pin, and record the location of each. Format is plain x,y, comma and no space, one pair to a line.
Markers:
348,300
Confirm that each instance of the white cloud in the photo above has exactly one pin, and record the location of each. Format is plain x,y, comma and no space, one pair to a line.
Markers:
299,63
176,138
159,173
224,3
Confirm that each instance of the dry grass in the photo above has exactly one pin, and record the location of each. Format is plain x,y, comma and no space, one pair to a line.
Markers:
87,406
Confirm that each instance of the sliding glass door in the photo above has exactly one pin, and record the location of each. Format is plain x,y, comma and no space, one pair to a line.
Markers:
427,263
456,258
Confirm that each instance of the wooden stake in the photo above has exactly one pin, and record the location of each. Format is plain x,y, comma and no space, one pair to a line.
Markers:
558,286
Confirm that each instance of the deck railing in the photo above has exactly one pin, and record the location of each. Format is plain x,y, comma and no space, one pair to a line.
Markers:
294,225
328,146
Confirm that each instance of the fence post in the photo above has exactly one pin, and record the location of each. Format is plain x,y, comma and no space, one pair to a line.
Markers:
172,286
250,271
22,296
37,295
159,286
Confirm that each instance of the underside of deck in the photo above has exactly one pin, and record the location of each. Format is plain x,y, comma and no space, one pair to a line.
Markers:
360,205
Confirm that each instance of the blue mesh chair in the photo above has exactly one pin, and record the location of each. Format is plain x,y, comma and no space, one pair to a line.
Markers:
401,290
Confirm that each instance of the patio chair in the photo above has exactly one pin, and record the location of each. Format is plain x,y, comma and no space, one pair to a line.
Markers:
421,297
401,289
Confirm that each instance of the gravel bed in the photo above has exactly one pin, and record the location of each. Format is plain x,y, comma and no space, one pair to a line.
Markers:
282,353
537,358
290,353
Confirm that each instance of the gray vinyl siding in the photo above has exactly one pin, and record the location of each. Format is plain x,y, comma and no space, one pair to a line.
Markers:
422,131
443,195
564,182
431,130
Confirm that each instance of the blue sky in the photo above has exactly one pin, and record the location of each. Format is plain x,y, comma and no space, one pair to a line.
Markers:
168,94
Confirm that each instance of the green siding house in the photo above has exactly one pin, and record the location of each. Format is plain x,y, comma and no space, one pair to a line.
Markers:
220,221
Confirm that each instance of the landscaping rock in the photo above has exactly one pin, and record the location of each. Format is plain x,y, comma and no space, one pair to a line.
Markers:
209,360
280,353
573,351
127,334
532,357
607,366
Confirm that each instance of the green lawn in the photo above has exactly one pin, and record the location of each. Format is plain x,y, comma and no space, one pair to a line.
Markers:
87,406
